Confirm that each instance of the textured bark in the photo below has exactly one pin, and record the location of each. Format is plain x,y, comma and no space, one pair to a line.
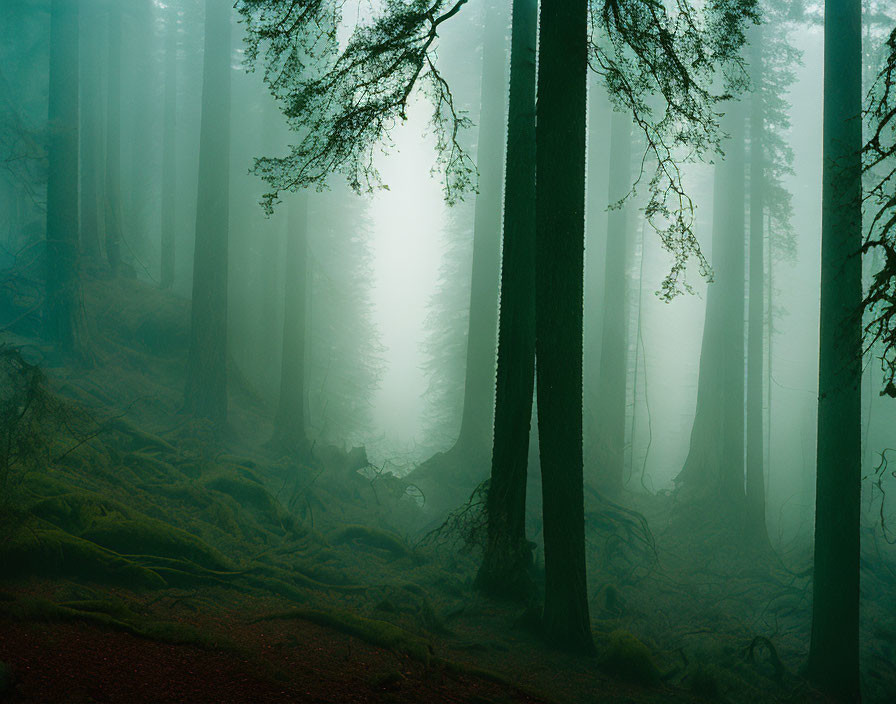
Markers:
476,421
507,558
612,384
64,323
112,211
289,424
560,234
834,648
206,390
169,153
714,468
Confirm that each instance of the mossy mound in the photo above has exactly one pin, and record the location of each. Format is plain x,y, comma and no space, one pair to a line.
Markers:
373,537
117,527
55,553
250,494
628,658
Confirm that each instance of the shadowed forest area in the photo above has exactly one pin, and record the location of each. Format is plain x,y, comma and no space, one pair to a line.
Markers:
468,351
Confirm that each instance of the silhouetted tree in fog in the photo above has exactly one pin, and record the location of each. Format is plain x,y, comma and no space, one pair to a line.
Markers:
206,389
169,151
834,648
112,187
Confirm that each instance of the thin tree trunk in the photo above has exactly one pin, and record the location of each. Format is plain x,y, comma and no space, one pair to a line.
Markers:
113,141
64,323
476,421
206,390
560,238
92,225
834,648
169,154
613,377
289,424
755,473
507,557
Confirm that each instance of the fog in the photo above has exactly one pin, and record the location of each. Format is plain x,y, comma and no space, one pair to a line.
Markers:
282,284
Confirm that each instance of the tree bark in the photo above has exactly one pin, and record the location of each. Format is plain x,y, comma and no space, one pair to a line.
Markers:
560,235
206,390
92,224
508,557
834,648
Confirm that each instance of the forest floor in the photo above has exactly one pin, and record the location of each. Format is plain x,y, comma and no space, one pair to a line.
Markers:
147,557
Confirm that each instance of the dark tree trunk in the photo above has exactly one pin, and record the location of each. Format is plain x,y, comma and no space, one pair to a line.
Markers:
834,649
206,391
63,310
476,422
113,141
289,425
505,565
612,384
714,468
755,478
92,224
169,153
560,235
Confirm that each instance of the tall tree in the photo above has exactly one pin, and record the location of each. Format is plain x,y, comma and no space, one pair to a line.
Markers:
64,322
476,422
289,424
92,224
507,555
169,152
614,343
206,389
714,469
559,266
112,187
834,646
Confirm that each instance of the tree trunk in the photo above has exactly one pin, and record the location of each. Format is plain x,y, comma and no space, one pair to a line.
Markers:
206,390
612,385
834,648
560,236
169,154
479,383
507,558
92,225
113,141
714,468
755,477
63,309
289,425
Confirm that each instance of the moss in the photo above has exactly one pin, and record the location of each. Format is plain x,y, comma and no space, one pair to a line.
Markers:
112,525
111,607
54,553
248,494
628,658
374,537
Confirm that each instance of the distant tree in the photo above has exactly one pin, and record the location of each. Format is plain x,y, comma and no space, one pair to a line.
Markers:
112,186
64,321
169,152
834,646
289,424
206,389
92,214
